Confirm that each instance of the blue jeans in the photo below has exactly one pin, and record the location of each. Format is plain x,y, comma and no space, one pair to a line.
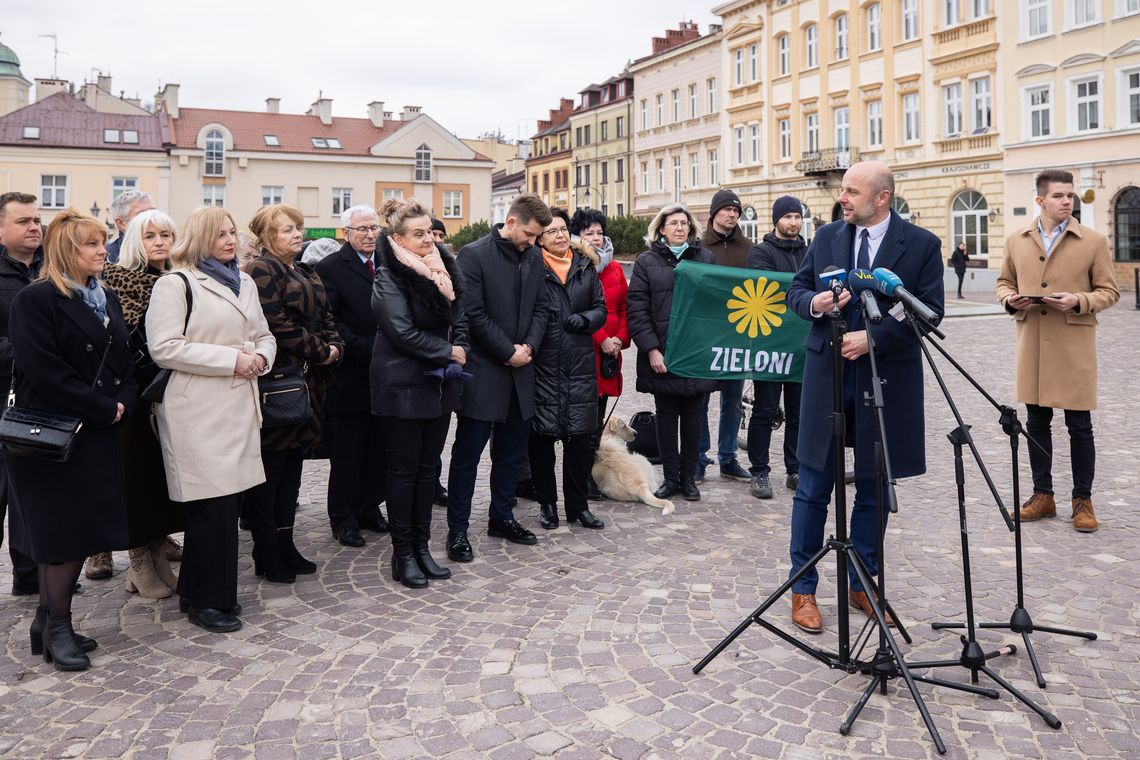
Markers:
508,447
731,413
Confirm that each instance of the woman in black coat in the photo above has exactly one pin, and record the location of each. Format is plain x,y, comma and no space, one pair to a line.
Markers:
958,260
566,383
416,374
61,327
674,236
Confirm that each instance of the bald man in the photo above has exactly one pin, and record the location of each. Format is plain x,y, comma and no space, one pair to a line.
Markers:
870,236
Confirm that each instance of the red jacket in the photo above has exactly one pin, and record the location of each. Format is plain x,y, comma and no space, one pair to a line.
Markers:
615,287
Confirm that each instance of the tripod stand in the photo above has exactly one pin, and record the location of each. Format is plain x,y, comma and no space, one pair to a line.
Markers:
1020,620
973,658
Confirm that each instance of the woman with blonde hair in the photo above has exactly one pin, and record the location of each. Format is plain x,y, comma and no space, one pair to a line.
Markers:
206,325
71,356
296,309
674,236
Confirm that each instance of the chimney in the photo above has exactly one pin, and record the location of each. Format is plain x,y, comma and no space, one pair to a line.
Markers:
45,88
103,81
322,108
376,113
410,112
387,116
273,105
168,98
686,31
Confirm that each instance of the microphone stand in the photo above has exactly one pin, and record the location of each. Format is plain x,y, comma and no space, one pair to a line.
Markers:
972,658
1020,620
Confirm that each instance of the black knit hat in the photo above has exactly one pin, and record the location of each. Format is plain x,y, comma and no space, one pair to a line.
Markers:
786,204
438,225
721,199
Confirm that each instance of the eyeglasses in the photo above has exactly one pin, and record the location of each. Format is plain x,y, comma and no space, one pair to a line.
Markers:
557,231
365,230
677,223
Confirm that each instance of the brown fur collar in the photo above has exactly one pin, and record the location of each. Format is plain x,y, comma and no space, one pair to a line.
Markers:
421,288
587,250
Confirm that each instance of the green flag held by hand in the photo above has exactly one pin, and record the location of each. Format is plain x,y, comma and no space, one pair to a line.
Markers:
734,324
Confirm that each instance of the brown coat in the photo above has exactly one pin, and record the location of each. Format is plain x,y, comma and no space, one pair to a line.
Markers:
1056,351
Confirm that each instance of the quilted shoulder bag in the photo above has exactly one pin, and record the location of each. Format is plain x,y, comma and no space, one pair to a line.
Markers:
284,397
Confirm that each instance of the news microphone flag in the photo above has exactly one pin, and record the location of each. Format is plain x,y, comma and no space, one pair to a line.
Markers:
729,323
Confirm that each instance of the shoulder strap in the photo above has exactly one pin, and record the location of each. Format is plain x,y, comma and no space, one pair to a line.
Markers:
189,300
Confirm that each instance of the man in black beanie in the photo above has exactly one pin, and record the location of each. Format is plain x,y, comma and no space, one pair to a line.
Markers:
782,250
730,246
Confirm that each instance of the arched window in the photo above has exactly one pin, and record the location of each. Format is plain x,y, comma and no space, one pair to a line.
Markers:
1127,225
423,163
970,223
215,162
900,207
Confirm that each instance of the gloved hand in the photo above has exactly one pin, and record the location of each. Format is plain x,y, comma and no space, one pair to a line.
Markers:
453,371
575,323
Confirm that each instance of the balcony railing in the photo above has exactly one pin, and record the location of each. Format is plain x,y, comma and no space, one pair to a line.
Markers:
815,163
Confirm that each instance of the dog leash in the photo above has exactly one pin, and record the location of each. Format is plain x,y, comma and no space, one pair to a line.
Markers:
611,414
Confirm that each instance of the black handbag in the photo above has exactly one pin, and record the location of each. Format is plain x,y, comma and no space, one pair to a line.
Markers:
645,425
156,388
284,398
39,433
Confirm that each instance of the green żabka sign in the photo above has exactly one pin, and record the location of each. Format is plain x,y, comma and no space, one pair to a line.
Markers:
734,324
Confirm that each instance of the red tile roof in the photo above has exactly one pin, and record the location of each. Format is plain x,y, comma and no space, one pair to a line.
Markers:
66,122
293,131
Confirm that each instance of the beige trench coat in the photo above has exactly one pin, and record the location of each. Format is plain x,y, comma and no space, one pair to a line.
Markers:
209,422
1056,351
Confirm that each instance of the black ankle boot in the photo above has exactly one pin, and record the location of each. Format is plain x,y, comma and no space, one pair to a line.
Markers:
271,565
689,490
406,570
291,556
548,516
60,646
37,634
428,564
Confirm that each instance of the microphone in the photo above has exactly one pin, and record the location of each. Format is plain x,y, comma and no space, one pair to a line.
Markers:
834,278
861,283
889,284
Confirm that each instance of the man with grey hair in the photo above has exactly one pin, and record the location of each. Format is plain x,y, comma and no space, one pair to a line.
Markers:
357,461
126,206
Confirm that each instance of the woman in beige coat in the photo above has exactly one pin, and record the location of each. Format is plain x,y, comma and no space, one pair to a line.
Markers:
209,419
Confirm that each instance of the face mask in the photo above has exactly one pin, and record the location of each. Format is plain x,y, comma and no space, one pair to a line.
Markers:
678,250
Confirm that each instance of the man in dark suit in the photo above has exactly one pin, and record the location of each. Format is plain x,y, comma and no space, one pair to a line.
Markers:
505,302
356,463
870,236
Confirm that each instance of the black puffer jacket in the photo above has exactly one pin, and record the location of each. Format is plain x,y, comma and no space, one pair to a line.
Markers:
417,329
648,305
14,277
776,254
566,382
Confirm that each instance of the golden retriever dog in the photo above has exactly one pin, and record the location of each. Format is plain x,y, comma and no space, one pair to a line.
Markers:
623,475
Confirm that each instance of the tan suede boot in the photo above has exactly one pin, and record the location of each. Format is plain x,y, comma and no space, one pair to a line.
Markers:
159,557
142,578
1084,519
1039,505
99,566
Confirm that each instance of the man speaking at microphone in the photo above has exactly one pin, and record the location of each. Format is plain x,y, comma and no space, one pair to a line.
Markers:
871,235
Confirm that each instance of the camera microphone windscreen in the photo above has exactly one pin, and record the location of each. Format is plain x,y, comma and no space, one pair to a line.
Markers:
889,284
862,284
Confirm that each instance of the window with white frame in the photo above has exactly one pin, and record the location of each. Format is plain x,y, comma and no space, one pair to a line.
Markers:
694,170
1081,12
213,195
874,26
130,137
841,37
738,143
753,62
120,185
53,191
423,163
692,101
912,123
621,209
811,132
710,86
342,199
980,118
676,173
31,133
784,128
397,193
645,176
754,143
714,176
660,103
644,114
979,8
738,67
952,110
1036,18
811,46
875,123
1086,96
619,126
452,204
621,89
951,12
1127,7
1131,100
676,106
271,194
214,164
909,20
605,173
842,128
110,135
604,128
1039,105
970,222
661,174
783,54
271,141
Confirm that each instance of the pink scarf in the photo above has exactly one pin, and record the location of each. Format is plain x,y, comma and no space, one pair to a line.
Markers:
429,265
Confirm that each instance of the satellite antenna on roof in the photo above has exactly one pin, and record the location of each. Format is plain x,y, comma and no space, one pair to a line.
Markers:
55,54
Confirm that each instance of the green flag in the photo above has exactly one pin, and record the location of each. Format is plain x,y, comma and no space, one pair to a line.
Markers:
734,324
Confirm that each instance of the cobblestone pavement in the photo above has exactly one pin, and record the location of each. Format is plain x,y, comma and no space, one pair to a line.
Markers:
581,647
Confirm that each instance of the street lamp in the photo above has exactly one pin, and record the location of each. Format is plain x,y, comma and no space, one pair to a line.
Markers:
95,210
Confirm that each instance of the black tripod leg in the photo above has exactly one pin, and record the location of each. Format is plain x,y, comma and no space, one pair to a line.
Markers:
979,690
845,726
1033,659
1048,717
1066,632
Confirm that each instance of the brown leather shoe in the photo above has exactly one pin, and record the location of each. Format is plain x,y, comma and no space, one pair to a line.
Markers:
805,613
859,599
1038,505
1084,519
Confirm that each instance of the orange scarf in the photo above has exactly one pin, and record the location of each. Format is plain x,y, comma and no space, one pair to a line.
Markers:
558,264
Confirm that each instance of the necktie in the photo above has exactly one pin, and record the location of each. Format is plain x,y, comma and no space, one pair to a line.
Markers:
863,261
372,267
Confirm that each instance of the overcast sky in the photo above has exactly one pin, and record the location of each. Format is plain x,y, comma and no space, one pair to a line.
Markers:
473,66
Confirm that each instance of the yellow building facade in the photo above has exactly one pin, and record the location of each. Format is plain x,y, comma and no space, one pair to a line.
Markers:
601,128
549,166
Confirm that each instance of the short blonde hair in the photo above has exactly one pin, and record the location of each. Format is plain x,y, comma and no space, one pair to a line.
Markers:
63,237
132,253
199,233
264,224
654,233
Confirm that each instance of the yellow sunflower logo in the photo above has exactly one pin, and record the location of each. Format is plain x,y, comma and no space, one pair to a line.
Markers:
756,306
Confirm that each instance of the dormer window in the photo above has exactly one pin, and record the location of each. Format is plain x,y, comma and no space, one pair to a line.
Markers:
319,142
333,143
271,141
110,135
215,155
131,136
606,95
31,133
